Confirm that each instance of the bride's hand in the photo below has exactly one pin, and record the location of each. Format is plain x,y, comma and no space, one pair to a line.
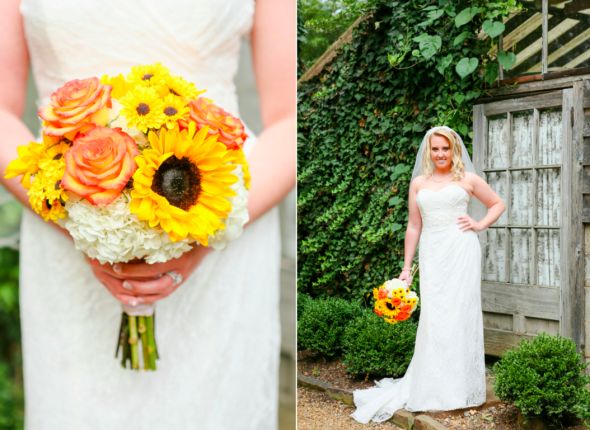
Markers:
142,283
466,223
405,276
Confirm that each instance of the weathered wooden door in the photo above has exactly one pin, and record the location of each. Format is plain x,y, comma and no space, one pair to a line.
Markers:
529,150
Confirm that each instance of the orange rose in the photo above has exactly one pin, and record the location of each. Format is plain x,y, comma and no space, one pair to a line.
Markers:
76,107
406,308
229,129
382,294
396,301
402,316
99,164
378,312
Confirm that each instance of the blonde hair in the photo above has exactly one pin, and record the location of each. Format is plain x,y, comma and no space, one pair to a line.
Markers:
457,167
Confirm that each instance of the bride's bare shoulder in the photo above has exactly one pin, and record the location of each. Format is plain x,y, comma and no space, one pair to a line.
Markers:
418,181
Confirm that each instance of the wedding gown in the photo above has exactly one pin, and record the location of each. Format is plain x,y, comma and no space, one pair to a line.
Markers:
218,334
447,370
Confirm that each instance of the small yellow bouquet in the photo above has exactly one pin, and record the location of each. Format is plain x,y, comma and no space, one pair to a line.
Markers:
137,167
394,301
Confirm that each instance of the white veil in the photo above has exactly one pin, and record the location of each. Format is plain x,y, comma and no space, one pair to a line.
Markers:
464,154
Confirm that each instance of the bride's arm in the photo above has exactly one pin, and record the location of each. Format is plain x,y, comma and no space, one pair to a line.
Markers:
484,193
274,53
273,159
412,231
14,63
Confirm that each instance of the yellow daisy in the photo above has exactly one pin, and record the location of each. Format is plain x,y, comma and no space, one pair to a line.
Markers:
30,156
142,108
174,109
46,195
118,84
151,75
26,164
180,87
183,183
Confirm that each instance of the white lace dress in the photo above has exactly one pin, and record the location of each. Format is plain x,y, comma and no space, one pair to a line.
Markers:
219,334
447,370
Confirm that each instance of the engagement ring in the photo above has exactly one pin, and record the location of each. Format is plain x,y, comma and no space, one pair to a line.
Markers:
176,277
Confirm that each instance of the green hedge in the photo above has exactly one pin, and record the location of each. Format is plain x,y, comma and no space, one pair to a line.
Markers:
11,390
375,348
320,328
408,68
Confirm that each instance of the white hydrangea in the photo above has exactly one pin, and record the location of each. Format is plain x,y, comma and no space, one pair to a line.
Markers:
237,218
111,234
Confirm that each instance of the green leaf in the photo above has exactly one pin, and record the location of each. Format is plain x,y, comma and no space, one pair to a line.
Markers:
433,15
444,63
491,73
399,170
461,38
466,66
396,227
493,28
459,97
395,59
465,16
429,45
507,59
395,200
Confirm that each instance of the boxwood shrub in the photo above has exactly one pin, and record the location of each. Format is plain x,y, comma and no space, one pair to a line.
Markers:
321,325
545,378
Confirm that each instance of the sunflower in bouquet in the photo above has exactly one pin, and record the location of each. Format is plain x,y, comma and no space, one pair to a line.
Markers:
394,301
137,167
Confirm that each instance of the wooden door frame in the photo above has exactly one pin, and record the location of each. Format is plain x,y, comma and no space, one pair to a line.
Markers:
565,304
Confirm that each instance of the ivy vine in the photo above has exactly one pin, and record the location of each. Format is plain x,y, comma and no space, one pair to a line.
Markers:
411,65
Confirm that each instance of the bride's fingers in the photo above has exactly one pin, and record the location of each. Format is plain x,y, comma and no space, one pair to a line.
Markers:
164,284
121,270
139,270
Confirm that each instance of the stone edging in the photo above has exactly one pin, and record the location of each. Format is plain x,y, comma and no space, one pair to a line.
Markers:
401,418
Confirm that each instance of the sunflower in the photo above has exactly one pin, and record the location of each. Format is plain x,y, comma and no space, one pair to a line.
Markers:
182,88
142,108
385,308
174,109
46,195
239,157
183,183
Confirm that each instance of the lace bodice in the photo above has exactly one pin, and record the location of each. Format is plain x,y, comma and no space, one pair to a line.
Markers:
441,208
198,40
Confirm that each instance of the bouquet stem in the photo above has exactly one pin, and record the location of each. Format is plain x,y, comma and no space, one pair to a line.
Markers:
136,331
133,342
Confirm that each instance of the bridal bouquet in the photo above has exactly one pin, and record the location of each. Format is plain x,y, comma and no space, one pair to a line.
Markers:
394,301
137,167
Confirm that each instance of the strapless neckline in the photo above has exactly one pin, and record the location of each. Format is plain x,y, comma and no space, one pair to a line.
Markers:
444,188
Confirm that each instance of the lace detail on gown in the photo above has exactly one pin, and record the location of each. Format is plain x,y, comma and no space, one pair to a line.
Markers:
447,370
210,375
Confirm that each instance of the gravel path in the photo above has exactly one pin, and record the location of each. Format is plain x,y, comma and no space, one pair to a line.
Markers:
318,411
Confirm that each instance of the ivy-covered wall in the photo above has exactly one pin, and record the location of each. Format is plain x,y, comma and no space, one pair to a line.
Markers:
411,65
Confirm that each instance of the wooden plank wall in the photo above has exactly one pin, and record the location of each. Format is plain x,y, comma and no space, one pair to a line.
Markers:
586,214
